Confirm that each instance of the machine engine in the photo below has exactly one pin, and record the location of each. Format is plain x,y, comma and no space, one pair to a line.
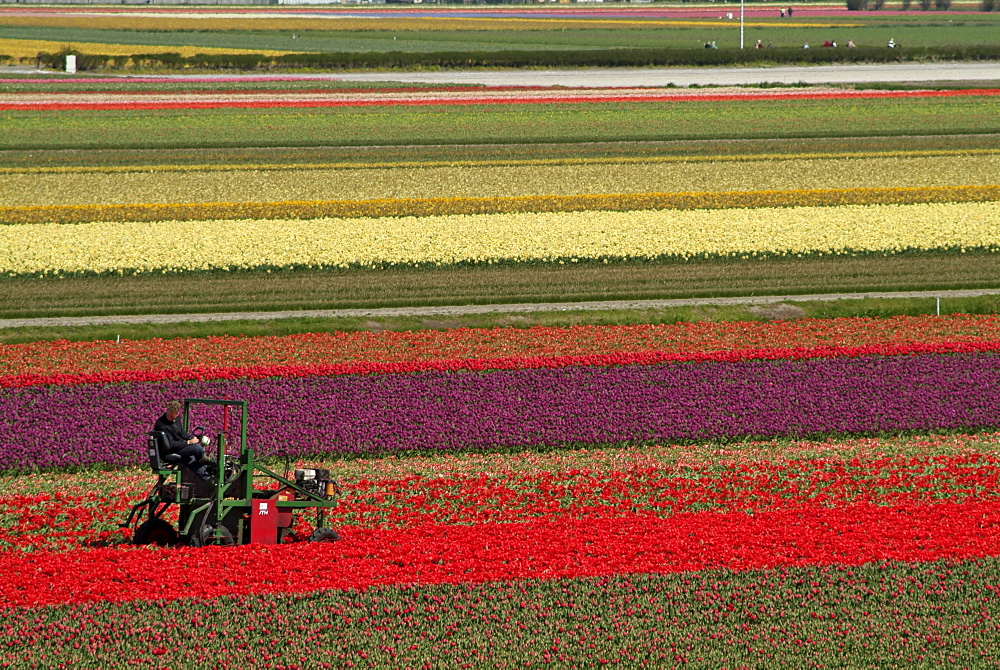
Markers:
316,481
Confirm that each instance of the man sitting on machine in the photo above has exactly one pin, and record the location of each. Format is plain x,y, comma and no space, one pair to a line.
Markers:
183,443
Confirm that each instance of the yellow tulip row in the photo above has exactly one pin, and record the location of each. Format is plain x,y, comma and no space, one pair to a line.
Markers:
415,181
29,49
179,246
400,207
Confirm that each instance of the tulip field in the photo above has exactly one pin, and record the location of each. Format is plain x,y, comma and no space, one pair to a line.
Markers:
25,30
744,494
135,215
814,492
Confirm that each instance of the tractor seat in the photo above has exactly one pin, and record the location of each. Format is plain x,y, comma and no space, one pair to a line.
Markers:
160,457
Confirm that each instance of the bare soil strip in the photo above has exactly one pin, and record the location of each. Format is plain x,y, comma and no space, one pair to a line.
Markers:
198,293
459,310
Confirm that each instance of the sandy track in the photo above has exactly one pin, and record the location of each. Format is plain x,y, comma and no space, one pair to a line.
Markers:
460,310
637,77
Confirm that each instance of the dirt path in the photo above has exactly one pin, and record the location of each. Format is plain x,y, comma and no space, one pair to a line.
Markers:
459,310
642,77
682,76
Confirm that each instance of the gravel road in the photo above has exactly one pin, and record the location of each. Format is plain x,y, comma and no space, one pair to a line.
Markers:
619,77
459,310
601,77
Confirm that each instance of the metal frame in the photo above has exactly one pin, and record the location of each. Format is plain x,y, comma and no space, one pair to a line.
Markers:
226,497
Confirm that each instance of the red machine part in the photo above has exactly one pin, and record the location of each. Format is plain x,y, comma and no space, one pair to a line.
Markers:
266,519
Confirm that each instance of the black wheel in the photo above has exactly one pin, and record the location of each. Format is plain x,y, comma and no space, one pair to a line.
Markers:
207,537
324,535
155,531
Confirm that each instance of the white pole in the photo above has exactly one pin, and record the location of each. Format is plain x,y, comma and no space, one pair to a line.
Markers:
939,306
741,24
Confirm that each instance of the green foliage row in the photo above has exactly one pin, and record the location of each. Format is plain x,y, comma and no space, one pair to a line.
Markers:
485,154
407,287
519,59
925,5
499,124
884,614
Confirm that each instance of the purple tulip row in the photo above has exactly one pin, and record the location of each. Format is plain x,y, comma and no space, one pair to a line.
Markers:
84,425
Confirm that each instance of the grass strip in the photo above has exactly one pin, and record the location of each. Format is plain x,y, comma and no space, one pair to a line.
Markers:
546,203
477,124
333,289
123,160
869,307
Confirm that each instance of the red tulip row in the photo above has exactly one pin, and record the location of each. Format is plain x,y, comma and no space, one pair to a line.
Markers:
71,358
475,364
544,548
36,104
69,518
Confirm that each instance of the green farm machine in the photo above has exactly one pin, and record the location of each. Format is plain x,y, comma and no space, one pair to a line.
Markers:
227,509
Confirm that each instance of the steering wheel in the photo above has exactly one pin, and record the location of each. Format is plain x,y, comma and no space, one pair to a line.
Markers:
199,432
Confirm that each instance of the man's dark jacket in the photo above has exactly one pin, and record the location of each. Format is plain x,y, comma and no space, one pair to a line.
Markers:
176,435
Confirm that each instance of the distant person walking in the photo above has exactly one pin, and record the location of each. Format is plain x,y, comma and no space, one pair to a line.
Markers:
789,11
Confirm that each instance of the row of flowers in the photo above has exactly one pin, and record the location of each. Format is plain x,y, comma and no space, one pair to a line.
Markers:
65,102
298,370
661,181
49,362
405,207
28,49
506,410
179,246
890,614
71,518
89,485
541,548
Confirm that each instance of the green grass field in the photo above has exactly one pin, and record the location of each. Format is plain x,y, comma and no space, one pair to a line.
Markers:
864,28
490,153
820,309
485,124
333,289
